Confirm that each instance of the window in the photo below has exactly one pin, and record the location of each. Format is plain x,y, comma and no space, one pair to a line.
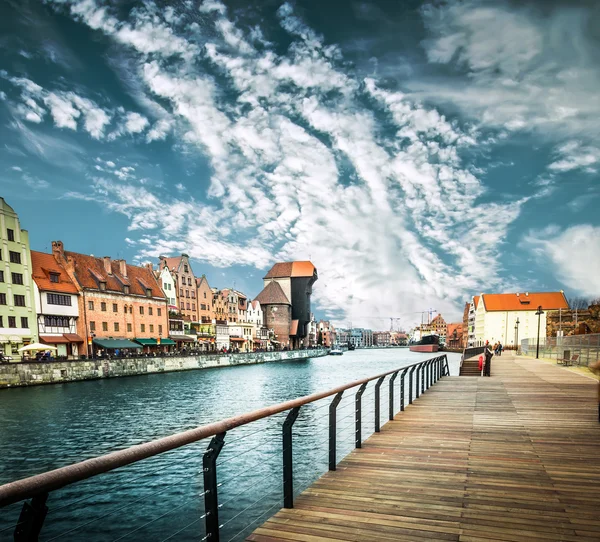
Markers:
149,311
189,281
193,294
180,292
56,321
1,276
58,299
90,305
12,321
54,277
104,326
165,286
15,257
24,322
188,306
126,289
141,310
193,306
148,292
203,307
103,285
10,234
116,326
19,300
92,326
103,306
187,293
159,328
129,328
143,328
204,295
115,307
185,269
151,328
159,311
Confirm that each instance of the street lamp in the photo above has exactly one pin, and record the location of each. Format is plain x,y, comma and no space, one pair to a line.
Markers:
538,313
517,334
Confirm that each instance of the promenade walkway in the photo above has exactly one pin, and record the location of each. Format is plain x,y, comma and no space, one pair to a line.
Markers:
512,457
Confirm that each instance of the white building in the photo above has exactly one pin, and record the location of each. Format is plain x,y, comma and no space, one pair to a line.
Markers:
167,283
222,336
57,307
496,316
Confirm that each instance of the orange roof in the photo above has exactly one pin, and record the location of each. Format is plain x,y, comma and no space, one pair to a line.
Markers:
272,294
458,327
42,265
291,269
89,271
525,301
476,300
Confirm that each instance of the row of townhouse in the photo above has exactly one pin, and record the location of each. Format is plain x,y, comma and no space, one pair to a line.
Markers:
85,305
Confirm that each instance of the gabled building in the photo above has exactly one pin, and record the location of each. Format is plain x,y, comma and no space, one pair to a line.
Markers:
454,335
18,326
295,280
256,320
185,283
497,314
277,313
205,329
121,306
57,306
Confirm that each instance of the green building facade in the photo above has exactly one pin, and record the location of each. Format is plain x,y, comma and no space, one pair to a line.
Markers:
18,319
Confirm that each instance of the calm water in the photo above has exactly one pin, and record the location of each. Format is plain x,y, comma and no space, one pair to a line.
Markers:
160,498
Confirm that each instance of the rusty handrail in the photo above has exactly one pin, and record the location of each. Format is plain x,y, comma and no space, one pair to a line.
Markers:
58,478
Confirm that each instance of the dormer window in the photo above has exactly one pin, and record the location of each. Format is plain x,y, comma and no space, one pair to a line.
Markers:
102,285
148,292
54,277
126,289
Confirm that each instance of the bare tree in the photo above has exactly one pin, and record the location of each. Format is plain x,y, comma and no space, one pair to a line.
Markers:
582,302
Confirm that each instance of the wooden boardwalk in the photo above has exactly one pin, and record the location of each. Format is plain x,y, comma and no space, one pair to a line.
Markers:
512,457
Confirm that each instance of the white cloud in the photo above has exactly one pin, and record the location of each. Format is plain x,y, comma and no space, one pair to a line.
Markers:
574,254
16,168
575,156
135,123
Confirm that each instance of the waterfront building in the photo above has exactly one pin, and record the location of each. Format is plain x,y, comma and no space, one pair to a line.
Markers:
361,338
18,325
185,283
496,315
220,307
259,330
328,333
295,280
277,313
465,326
343,336
439,327
399,338
454,335
382,338
121,306
57,306
313,333
472,321
205,330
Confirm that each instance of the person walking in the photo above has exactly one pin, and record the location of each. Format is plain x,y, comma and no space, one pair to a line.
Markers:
488,359
500,348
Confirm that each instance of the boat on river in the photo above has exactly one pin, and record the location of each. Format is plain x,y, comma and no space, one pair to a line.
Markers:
336,352
429,343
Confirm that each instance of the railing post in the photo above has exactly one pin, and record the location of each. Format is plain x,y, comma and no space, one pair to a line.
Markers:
211,497
333,429
31,519
288,459
358,416
418,382
446,368
423,367
391,416
402,389
410,385
427,374
377,403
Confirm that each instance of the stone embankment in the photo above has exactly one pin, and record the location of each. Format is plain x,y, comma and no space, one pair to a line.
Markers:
56,372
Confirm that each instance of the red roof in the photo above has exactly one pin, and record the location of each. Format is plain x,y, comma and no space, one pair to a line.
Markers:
42,265
291,269
90,271
475,301
272,294
525,301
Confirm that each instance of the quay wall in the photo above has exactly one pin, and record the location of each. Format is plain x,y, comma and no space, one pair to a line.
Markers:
34,374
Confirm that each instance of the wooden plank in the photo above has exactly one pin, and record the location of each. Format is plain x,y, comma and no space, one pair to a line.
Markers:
511,458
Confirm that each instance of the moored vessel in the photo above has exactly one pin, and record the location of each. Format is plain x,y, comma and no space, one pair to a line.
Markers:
429,343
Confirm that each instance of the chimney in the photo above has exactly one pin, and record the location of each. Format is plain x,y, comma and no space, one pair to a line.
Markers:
107,265
123,268
517,294
527,294
58,251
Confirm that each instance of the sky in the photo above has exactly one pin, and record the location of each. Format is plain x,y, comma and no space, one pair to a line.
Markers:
418,153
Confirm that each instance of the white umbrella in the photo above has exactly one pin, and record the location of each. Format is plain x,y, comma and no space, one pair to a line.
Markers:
34,347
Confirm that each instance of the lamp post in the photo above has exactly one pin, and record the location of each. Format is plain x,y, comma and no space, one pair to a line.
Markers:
538,313
517,334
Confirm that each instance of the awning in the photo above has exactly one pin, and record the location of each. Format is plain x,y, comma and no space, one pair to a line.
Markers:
154,342
166,342
73,337
294,327
237,339
183,338
54,339
115,343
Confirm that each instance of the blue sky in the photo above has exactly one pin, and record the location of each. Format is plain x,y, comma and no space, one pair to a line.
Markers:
417,152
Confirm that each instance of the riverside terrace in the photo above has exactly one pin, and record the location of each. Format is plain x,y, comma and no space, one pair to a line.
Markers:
511,457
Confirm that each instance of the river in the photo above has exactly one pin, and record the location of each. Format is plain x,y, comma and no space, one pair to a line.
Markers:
46,427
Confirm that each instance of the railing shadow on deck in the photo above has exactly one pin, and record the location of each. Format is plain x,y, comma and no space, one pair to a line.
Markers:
34,492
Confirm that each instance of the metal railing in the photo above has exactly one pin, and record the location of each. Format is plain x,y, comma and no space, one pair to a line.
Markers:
412,381
471,351
586,346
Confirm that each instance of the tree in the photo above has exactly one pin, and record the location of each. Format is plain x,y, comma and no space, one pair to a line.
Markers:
583,302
